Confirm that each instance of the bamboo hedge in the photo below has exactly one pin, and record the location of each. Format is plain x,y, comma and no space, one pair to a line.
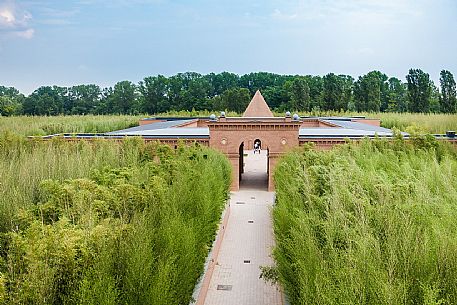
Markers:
373,223
105,222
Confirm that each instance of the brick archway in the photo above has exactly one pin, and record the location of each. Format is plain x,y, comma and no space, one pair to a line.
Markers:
243,148
276,134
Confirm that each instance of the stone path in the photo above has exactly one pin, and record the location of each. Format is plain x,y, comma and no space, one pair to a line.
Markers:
246,244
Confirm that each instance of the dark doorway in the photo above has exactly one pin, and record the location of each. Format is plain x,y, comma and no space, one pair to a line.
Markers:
241,161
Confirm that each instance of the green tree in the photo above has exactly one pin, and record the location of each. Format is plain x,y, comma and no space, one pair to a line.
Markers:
299,94
396,96
154,91
370,92
448,99
315,84
262,80
84,99
276,96
197,94
175,88
419,91
337,91
187,89
46,101
236,99
221,82
330,92
347,85
10,101
8,106
124,98
435,98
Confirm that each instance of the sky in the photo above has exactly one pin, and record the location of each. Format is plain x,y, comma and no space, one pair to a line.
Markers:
65,42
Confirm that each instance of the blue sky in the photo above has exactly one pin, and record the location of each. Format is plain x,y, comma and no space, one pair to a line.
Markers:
56,42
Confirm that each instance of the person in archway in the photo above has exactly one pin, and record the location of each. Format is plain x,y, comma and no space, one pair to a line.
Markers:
257,147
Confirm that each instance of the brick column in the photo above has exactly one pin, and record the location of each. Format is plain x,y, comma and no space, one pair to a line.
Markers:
235,162
272,160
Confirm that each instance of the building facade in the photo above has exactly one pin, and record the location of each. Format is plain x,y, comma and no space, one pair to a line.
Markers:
233,135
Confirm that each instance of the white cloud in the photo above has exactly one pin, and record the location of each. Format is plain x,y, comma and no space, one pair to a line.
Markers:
15,21
27,34
277,14
385,11
6,17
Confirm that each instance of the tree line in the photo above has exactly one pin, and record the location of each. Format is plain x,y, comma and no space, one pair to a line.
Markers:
372,92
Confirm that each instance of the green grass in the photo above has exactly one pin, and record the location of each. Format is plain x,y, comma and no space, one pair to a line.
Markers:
41,125
105,222
44,125
372,223
427,123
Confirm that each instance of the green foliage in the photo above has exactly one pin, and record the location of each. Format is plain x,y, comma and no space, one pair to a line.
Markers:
337,92
368,223
154,94
105,222
448,92
45,125
429,122
419,90
370,92
191,91
234,99
299,94
10,101
396,96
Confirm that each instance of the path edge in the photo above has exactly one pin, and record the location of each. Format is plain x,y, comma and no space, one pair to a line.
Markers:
208,274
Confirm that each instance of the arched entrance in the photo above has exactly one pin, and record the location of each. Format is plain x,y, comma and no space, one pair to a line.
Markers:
253,166
235,138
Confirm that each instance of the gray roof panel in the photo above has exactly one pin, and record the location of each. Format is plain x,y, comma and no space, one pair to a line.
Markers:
197,132
152,126
357,125
319,132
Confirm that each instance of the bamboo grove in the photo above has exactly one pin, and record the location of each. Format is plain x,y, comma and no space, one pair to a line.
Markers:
106,222
372,223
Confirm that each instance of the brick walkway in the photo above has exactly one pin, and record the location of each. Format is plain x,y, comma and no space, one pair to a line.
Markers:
247,243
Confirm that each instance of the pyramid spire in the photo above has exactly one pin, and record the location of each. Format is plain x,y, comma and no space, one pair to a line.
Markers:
258,107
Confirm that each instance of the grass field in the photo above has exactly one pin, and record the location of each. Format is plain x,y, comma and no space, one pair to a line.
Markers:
27,126
368,224
426,123
45,125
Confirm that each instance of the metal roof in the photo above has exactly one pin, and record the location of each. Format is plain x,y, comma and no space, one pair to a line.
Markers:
321,132
357,125
149,127
197,132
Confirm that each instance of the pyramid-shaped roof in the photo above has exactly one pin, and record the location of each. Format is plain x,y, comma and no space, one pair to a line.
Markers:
258,107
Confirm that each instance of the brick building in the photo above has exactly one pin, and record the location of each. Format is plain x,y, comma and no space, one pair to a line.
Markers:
276,135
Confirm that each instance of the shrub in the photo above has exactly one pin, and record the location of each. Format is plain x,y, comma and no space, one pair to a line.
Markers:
105,222
368,224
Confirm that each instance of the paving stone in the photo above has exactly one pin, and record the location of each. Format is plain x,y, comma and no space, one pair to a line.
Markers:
246,241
